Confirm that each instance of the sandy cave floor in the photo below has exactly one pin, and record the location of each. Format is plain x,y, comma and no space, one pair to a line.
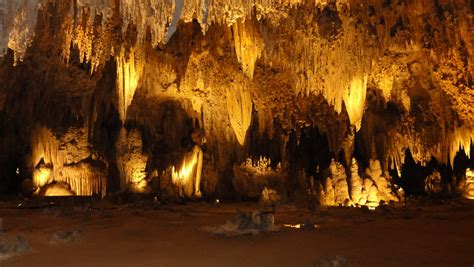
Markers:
422,234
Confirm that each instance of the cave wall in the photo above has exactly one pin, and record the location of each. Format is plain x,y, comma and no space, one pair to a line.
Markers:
395,75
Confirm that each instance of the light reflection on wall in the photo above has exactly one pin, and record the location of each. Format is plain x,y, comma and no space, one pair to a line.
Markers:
65,159
187,178
42,177
469,185
131,162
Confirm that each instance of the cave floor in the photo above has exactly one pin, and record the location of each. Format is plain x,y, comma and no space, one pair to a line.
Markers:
422,234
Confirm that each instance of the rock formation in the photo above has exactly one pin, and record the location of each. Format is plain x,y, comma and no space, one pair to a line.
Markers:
468,187
107,94
253,178
433,185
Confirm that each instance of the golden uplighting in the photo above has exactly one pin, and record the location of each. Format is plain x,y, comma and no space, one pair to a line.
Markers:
469,186
42,177
296,226
58,190
188,177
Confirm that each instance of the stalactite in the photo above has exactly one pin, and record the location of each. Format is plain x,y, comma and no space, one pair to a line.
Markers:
239,108
354,100
129,71
66,159
83,179
461,138
314,59
17,25
248,45
71,147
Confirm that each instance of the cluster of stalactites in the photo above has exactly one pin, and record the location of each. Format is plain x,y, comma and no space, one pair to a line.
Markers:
459,139
129,71
161,18
17,25
156,17
70,148
64,159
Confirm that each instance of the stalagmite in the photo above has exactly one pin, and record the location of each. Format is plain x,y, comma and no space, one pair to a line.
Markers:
130,161
129,70
377,79
357,185
339,182
468,189
433,184
252,176
381,181
327,194
187,178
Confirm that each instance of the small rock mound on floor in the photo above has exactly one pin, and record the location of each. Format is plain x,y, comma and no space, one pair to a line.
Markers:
245,223
65,236
10,248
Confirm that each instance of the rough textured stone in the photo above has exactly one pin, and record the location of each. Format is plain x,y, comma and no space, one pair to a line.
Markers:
395,75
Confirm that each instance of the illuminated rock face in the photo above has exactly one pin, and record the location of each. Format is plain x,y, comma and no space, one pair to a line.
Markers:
67,160
468,190
187,177
131,162
368,190
379,76
338,180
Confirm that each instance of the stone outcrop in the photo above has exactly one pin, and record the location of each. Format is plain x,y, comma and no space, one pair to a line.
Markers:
251,178
468,185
